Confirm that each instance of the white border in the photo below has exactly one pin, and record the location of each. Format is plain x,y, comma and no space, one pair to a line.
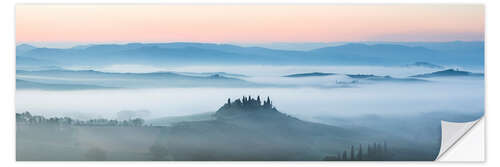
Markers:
470,147
452,133
7,65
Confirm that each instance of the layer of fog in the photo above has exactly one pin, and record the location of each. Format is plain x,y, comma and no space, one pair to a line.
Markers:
457,95
273,74
399,104
271,71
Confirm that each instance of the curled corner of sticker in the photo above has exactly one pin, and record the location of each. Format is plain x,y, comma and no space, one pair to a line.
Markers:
452,132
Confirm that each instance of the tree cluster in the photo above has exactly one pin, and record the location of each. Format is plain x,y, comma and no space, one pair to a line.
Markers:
374,152
246,104
27,119
249,103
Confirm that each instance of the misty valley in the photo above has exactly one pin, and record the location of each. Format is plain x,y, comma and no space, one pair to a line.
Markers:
218,102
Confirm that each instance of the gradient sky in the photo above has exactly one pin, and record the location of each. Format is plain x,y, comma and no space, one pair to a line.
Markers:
248,23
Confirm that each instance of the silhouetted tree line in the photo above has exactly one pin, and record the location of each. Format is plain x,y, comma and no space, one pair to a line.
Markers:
249,103
374,152
28,119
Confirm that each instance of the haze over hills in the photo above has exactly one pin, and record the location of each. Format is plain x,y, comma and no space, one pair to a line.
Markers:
383,78
313,74
449,73
247,129
60,79
171,83
22,84
171,120
369,77
392,79
206,53
424,64
243,129
460,47
253,129
413,78
89,79
24,48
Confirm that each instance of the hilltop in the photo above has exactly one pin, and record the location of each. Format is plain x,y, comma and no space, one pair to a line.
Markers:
386,78
250,129
448,73
312,74
243,129
91,79
246,105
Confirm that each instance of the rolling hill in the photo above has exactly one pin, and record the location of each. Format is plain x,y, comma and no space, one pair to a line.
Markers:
245,129
313,74
449,73
128,80
22,84
367,77
251,129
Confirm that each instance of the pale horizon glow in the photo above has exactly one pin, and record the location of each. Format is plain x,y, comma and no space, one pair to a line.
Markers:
248,23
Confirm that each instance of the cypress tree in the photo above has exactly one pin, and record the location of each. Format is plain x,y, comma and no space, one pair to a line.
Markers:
238,102
385,147
369,151
379,148
267,105
374,148
360,153
352,152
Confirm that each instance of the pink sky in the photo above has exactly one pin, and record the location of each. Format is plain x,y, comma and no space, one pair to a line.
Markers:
248,23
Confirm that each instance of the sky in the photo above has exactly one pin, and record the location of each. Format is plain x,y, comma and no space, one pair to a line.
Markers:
247,23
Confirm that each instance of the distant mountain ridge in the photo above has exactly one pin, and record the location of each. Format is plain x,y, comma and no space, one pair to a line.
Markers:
455,46
207,53
24,48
